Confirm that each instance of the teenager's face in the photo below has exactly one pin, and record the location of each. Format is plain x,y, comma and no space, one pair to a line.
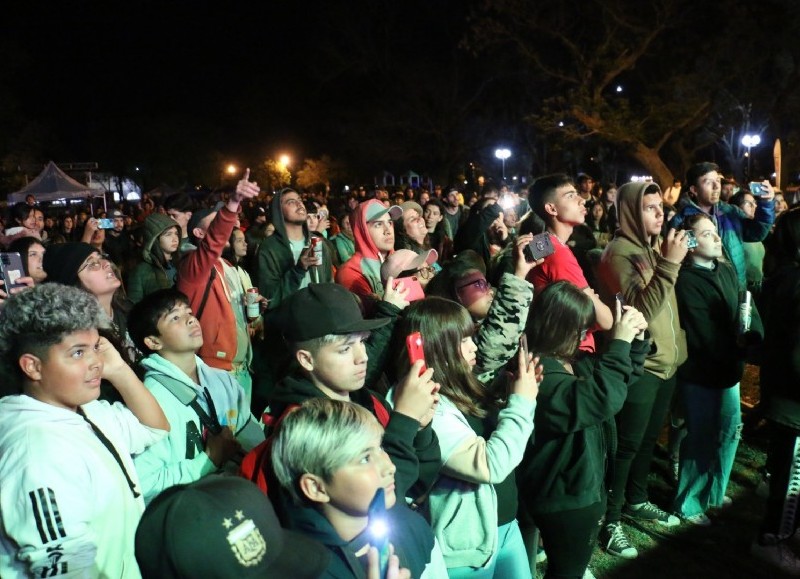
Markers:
709,243
652,213
469,351
181,217
97,276
597,211
352,487
475,294
707,189
414,225
68,224
169,241
179,331
568,206
39,217
69,374
30,220
341,366
294,212
433,215
239,243
381,231
35,259
748,205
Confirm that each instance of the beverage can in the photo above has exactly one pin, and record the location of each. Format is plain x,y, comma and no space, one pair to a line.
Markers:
745,313
251,303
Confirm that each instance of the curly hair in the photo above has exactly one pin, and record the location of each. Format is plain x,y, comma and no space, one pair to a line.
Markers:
35,319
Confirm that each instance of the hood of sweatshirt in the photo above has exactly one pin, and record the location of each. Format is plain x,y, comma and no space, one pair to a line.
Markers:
630,220
154,226
19,411
277,217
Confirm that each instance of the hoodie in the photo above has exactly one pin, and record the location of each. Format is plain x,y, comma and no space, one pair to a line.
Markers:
734,228
361,274
278,274
65,503
180,458
633,265
154,272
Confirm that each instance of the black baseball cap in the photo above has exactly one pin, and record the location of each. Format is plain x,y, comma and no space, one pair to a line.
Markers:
221,527
321,309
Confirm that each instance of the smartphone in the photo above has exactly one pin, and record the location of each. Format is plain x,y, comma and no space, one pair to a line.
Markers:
757,189
12,270
619,297
379,530
523,345
414,345
105,223
539,247
415,291
691,240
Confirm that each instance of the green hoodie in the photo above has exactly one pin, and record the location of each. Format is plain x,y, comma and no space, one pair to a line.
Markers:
633,265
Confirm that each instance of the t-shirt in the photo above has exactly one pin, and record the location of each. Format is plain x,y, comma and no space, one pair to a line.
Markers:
561,266
297,248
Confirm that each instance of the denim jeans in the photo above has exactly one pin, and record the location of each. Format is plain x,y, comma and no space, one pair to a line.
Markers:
511,559
713,429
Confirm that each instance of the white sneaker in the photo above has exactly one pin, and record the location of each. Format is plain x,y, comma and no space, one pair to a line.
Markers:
588,574
778,555
701,520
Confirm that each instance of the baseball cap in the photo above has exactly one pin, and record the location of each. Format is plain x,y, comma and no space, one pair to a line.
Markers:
410,205
405,259
199,215
376,210
220,527
116,213
321,309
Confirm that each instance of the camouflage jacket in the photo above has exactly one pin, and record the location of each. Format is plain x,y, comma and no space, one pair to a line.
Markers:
498,336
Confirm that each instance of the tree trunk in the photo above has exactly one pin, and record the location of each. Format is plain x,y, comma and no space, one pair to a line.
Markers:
652,163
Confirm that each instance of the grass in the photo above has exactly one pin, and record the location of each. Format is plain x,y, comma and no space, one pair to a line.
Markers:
719,551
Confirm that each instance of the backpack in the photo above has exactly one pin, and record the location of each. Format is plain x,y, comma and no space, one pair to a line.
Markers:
256,465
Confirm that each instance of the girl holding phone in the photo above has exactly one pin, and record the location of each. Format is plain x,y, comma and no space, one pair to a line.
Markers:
473,504
562,476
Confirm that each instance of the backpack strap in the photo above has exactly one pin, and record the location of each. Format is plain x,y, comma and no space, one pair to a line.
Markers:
202,307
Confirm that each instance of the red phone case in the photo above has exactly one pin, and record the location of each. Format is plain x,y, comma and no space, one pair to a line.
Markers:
415,351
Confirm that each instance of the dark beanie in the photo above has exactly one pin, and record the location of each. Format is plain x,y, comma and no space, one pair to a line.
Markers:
63,260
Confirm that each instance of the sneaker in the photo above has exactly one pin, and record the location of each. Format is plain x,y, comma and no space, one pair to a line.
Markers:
541,555
588,574
778,555
726,501
650,513
701,520
616,543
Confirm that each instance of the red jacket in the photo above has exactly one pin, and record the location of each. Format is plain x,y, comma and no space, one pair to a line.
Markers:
218,321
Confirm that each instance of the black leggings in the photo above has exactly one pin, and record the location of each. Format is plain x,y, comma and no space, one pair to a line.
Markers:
569,538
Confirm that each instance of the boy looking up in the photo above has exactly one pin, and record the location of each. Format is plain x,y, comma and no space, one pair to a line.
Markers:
70,498
327,456
207,407
326,334
554,199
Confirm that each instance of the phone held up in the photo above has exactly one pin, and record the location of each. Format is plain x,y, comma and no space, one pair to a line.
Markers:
691,240
756,189
379,530
12,270
414,345
105,223
539,247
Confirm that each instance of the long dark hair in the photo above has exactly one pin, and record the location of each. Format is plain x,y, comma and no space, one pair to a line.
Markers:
443,324
558,315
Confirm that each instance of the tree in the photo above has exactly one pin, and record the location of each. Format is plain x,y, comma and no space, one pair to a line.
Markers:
320,171
644,77
271,175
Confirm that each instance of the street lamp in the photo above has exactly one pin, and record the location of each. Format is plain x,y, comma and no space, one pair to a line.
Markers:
750,141
284,160
503,154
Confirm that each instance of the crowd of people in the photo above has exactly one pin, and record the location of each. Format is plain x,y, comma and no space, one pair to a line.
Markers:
416,384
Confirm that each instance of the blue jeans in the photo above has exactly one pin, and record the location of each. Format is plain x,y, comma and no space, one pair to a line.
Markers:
511,559
713,429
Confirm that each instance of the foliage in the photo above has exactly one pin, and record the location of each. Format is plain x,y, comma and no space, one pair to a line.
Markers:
316,172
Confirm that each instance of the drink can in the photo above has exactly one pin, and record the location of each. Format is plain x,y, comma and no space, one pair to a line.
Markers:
251,303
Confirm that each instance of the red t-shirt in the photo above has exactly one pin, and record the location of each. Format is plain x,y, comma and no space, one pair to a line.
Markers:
561,266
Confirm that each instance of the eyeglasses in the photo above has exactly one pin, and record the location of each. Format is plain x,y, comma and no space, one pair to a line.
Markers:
97,264
426,272
480,284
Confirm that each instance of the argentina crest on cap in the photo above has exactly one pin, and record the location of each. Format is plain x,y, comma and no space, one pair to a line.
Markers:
246,541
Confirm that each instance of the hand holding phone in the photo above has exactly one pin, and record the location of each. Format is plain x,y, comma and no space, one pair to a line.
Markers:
105,223
12,269
756,189
414,345
540,246
379,530
415,291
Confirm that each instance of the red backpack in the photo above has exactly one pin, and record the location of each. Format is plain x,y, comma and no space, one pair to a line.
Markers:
256,466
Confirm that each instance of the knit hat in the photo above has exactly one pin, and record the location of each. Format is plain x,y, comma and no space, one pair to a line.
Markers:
321,309
154,226
63,260
221,526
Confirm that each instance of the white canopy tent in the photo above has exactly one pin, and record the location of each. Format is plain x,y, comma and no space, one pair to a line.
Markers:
53,184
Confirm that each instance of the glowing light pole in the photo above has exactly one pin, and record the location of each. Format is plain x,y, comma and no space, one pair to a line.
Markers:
750,141
503,154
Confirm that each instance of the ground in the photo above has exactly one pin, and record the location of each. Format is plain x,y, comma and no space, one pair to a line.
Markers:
719,551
